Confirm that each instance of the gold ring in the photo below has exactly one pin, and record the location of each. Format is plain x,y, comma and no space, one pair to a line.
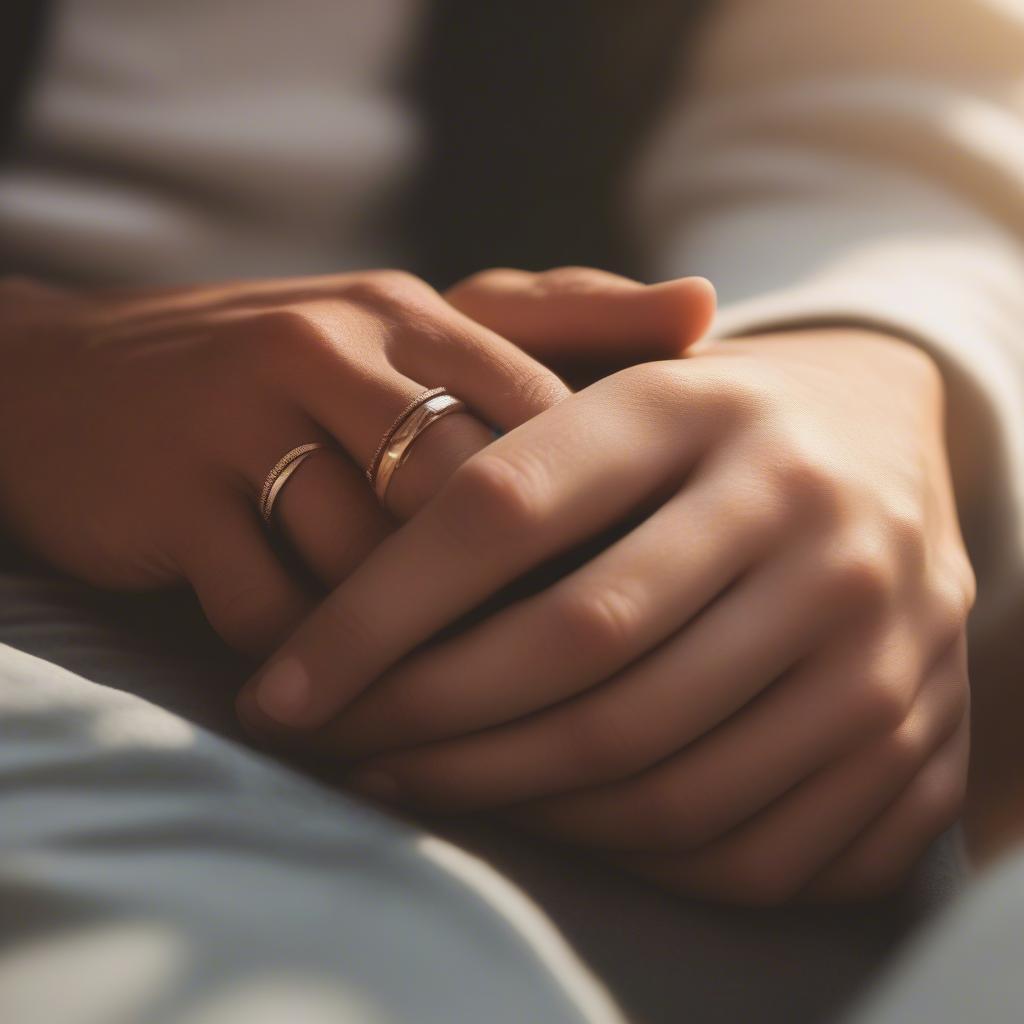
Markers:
423,411
280,474
423,396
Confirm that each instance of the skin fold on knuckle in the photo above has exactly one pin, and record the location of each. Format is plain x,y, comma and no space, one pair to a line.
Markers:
390,290
539,389
859,574
810,484
600,621
286,344
495,501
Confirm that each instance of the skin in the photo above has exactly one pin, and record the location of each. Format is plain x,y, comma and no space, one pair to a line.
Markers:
136,427
757,692
753,685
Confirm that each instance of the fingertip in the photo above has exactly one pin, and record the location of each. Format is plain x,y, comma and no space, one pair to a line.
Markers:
687,295
278,700
265,732
691,303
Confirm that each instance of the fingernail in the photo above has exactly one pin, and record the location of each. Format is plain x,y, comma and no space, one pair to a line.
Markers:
283,692
377,785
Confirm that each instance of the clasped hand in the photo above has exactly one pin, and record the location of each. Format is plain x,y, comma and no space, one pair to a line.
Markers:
705,616
754,689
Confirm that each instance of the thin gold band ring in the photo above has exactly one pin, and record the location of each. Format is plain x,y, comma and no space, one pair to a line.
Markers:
281,474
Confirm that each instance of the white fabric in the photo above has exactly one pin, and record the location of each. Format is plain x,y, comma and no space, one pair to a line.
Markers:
170,142
862,161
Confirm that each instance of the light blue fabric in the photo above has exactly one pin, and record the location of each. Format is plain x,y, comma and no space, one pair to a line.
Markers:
152,871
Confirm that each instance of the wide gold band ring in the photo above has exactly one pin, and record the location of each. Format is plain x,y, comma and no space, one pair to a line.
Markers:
281,474
423,411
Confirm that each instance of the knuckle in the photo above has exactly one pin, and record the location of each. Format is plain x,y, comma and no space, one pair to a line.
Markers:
570,278
495,499
490,275
809,483
885,703
466,293
953,598
903,751
762,518
602,618
746,397
281,334
967,579
905,528
389,289
880,692
535,388
860,574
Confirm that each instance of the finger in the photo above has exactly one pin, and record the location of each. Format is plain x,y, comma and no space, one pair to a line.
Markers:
829,706
329,516
769,859
331,361
433,458
887,851
338,372
324,512
655,707
508,509
360,322
581,630
504,385
567,314
245,592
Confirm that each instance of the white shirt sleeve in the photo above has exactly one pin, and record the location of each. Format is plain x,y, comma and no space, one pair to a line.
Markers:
862,162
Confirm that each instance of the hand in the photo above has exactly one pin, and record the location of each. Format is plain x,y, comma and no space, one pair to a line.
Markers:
136,427
757,691
586,323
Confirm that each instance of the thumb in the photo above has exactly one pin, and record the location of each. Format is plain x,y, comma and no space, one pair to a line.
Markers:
580,316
